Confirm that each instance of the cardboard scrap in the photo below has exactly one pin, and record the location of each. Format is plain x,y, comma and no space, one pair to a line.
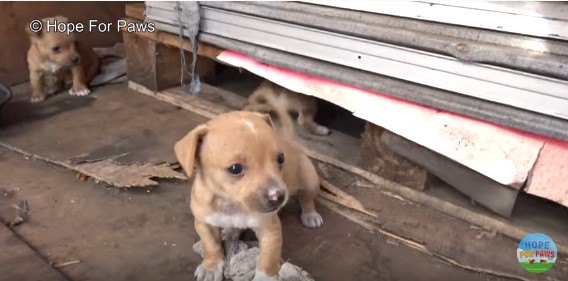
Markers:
128,175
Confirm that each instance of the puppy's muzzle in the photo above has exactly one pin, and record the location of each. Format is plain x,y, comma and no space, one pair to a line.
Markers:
74,59
274,198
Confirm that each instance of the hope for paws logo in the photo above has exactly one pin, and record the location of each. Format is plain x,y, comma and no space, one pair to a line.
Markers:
536,253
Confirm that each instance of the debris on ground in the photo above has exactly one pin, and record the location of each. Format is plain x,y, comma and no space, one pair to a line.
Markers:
335,194
113,65
484,232
128,175
80,176
338,196
63,264
21,213
240,262
114,173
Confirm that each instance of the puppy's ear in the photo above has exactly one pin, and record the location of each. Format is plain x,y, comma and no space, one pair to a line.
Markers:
186,148
44,22
31,34
287,126
266,118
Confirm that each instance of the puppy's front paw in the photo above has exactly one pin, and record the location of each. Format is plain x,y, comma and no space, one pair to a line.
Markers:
37,98
261,276
79,92
321,130
202,273
312,220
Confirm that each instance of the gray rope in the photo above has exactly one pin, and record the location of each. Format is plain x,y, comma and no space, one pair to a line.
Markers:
188,12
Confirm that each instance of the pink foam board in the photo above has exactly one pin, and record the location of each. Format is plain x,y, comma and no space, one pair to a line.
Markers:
549,178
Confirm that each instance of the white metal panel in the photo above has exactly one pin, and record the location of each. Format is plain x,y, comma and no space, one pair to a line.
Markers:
518,89
551,10
474,14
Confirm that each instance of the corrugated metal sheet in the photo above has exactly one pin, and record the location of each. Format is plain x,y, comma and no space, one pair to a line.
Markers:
520,52
530,92
541,19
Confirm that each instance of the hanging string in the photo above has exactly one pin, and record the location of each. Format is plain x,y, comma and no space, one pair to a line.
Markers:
189,12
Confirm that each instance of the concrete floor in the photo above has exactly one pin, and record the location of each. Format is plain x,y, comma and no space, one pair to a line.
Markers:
147,233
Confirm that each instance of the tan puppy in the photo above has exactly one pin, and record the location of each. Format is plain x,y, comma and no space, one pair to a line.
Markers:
55,58
271,97
246,172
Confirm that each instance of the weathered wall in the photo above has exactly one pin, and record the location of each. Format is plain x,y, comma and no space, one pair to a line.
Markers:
14,43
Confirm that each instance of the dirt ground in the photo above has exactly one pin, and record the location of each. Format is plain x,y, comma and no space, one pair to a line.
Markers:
147,233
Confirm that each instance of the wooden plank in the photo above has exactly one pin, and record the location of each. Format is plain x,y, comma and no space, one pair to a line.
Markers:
140,60
188,102
380,160
158,66
168,66
135,10
20,262
203,49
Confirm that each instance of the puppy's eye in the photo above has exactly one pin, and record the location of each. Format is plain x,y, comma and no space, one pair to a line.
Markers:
56,49
280,159
235,169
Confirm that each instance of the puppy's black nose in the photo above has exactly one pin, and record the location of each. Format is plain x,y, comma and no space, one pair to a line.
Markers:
75,59
276,196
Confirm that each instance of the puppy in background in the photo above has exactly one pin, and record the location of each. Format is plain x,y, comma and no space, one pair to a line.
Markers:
56,59
246,172
270,97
